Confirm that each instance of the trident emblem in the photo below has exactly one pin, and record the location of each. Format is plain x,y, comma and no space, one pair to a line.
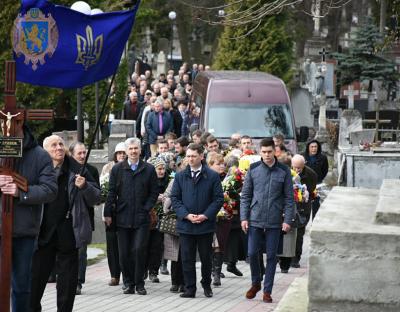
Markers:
89,51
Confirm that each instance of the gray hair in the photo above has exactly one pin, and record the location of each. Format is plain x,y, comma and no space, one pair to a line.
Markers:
299,158
132,141
73,145
46,141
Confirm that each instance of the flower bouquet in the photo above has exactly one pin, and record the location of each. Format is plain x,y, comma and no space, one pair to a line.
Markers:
301,194
232,186
104,185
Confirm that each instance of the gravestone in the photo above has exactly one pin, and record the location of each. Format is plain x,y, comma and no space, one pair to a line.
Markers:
354,256
113,140
350,121
161,63
69,137
302,105
124,126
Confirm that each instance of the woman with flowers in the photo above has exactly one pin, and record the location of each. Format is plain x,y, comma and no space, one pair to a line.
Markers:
216,162
111,231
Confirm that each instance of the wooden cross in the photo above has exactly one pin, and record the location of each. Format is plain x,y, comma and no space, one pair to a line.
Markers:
350,93
12,120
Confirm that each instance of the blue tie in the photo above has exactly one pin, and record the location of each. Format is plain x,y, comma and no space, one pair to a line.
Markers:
133,167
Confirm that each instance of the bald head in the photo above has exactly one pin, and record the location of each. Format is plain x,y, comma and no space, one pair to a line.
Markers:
298,163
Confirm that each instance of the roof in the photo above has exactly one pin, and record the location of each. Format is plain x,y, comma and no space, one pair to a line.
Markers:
238,75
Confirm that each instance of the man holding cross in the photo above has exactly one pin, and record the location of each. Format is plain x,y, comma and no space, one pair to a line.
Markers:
36,167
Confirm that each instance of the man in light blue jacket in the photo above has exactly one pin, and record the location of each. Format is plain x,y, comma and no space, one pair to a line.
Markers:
267,196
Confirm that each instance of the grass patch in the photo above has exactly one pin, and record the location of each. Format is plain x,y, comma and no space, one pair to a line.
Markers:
101,246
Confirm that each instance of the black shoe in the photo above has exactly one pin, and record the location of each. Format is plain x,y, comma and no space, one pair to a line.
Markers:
221,275
284,271
234,270
78,290
295,265
141,291
187,295
153,278
52,279
208,292
164,269
216,280
129,290
124,287
174,289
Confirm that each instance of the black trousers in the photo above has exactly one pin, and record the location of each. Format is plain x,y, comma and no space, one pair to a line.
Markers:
176,271
67,264
299,243
154,251
132,244
189,244
113,254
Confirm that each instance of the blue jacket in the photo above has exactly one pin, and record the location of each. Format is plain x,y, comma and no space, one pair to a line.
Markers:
267,193
152,125
205,196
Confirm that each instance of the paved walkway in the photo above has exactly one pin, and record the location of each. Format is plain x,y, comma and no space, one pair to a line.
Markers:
97,296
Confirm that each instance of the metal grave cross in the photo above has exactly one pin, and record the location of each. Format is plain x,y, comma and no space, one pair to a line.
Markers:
12,120
323,53
350,93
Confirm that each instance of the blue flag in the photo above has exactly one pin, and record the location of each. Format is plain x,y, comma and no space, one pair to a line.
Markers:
58,47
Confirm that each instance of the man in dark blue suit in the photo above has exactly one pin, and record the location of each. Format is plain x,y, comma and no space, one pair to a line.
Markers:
196,198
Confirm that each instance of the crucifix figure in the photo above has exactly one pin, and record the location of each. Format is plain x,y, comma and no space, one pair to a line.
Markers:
18,195
8,122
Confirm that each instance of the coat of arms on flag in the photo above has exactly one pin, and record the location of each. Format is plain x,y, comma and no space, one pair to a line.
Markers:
34,35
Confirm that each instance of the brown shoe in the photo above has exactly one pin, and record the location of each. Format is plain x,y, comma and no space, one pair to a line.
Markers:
114,282
267,297
254,289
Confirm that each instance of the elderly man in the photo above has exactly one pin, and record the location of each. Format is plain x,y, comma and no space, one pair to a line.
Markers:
36,167
78,152
309,178
64,229
133,192
132,107
267,193
158,124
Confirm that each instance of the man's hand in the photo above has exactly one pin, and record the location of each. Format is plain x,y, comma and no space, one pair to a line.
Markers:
107,220
10,189
80,181
4,180
200,218
191,217
245,226
285,227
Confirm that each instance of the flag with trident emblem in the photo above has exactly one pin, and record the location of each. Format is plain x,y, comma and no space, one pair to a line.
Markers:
58,47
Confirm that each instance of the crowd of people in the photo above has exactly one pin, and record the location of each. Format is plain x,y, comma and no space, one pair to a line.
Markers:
229,201
218,196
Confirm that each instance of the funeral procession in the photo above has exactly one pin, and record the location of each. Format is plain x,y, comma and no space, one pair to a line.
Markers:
200,155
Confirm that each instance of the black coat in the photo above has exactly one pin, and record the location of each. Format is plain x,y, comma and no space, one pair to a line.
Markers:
178,120
95,174
205,196
318,163
54,213
132,194
309,178
36,166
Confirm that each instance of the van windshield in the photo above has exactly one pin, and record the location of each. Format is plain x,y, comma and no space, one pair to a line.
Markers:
255,120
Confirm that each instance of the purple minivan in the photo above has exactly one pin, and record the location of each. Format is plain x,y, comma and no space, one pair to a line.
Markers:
250,103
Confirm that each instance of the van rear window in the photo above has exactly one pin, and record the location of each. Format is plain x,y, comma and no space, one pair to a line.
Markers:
255,120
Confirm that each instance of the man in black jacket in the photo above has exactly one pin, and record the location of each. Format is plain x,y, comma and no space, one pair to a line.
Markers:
196,197
318,162
78,152
309,178
133,191
65,228
36,167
